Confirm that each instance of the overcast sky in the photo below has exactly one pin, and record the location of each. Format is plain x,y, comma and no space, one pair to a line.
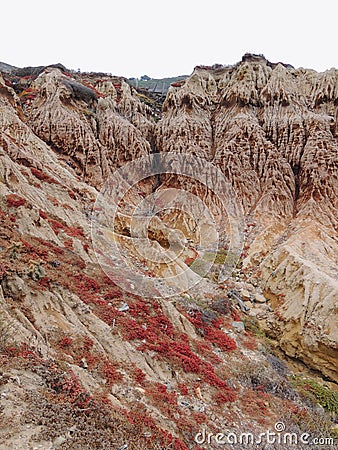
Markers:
157,38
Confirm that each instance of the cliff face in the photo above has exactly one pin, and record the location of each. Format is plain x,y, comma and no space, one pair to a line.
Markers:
273,132
252,187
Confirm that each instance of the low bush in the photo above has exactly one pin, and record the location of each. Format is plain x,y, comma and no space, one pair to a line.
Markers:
316,392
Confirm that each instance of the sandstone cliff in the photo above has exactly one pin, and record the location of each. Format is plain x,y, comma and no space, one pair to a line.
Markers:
273,132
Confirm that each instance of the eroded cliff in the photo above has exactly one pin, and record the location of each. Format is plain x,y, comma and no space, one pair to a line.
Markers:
75,345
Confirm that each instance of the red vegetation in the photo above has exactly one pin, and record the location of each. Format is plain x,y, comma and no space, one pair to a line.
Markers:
8,83
43,284
69,389
113,294
71,231
183,389
212,332
88,284
75,232
97,93
255,403
65,342
225,396
68,243
22,351
206,350
160,393
109,371
43,176
138,375
178,445
42,214
236,317
34,251
218,337
87,343
71,194
163,398
56,225
52,248
150,325
14,200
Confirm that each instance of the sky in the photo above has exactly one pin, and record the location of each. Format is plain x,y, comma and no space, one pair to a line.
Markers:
159,39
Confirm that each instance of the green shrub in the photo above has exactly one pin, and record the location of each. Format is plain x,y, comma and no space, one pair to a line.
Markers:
317,393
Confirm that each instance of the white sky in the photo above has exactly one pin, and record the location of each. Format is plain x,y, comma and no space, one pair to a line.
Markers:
137,37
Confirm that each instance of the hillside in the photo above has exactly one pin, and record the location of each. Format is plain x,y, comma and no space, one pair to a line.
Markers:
157,86
168,268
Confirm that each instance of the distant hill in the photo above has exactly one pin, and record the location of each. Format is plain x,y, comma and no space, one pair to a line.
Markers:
156,85
6,67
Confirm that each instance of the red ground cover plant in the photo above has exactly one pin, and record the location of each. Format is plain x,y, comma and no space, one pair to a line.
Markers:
42,214
235,315
75,231
43,284
56,225
205,349
225,396
211,331
69,389
19,351
42,176
138,375
68,243
98,94
179,445
87,343
182,387
113,293
145,321
71,194
50,248
109,371
255,404
163,398
66,342
14,200
34,251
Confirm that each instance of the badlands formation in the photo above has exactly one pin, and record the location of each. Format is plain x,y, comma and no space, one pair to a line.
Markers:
90,360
